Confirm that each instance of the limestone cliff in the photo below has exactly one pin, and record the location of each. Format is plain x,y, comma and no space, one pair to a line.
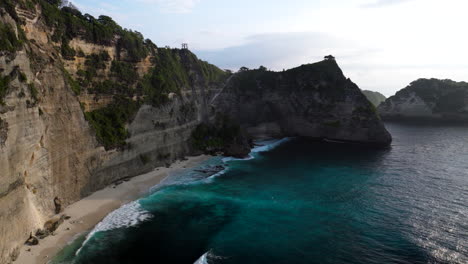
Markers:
78,113
428,99
313,100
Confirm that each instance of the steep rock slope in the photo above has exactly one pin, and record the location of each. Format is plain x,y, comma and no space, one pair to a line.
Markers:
313,100
375,98
428,99
84,103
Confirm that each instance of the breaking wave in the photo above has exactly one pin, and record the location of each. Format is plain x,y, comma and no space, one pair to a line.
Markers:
128,215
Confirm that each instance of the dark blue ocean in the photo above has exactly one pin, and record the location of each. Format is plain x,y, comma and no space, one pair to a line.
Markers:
299,201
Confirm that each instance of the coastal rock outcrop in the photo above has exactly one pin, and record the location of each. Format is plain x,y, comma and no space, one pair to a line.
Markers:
428,99
314,100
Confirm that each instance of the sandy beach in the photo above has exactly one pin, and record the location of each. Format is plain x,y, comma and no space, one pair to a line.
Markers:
88,212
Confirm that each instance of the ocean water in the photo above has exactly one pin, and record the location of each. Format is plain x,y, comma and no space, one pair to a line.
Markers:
298,201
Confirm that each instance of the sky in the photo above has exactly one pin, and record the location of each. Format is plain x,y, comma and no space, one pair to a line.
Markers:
382,45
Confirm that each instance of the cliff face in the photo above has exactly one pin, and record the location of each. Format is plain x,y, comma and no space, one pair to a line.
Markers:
53,119
314,100
428,99
375,98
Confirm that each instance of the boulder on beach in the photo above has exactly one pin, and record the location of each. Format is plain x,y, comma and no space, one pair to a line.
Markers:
52,225
32,241
42,233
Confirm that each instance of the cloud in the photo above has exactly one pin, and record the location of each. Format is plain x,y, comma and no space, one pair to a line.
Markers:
362,64
382,3
282,50
173,6
105,8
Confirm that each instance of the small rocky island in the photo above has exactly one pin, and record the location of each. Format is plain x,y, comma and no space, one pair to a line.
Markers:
428,99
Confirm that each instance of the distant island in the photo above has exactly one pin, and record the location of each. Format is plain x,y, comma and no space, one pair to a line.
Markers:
428,99
375,98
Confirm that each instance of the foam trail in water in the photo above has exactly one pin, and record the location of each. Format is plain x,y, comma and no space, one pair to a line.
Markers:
264,146
128,215
269,145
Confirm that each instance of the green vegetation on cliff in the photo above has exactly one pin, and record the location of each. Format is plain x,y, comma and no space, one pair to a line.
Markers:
72,83
215,136
248,80
174,71
8,40
124,72
4,82
9,6
324,76
69,23
109,122
33,91
68,52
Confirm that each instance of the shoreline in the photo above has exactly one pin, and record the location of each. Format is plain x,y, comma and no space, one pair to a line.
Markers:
88,212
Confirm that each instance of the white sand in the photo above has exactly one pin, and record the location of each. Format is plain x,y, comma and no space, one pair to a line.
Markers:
88,212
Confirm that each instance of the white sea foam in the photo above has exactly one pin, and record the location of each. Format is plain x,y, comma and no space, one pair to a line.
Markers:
205,257
269,145
209,179
128,215
227,159
263,146
132,214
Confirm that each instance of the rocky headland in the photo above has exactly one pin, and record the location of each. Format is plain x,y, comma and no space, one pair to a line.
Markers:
428,100
313,100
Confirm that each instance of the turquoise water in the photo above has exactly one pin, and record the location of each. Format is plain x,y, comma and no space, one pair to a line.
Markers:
305,202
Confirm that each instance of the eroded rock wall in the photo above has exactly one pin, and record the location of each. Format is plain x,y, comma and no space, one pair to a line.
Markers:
48,149
314,100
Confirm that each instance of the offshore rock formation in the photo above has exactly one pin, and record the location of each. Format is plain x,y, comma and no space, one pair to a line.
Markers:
375,98
314,100
85,103
428,99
